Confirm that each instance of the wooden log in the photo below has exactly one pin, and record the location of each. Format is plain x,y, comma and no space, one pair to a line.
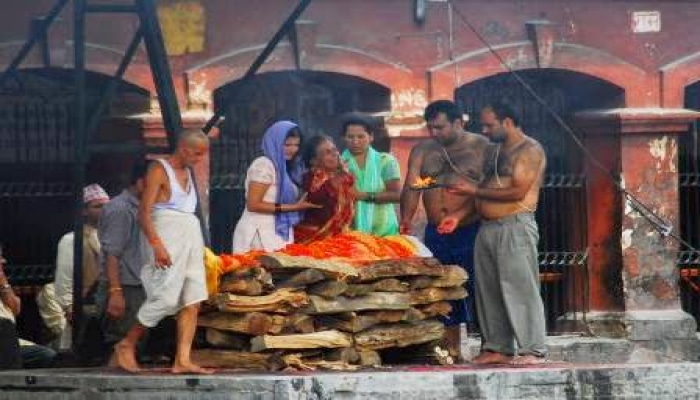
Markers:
302,279
227,340
369,358
282,301
373,301
283,261
358,322
253,323
246,287
456,276
326,339
439,309
247,282
397,268
384,285
399,335
348,355
327,289
217,358
432,295
433,352
298,323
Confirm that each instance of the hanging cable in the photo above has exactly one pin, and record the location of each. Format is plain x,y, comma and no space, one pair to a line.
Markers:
657,222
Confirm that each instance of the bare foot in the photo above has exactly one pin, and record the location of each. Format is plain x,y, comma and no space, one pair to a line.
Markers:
491,357
112,363
191,369
125,357
529,359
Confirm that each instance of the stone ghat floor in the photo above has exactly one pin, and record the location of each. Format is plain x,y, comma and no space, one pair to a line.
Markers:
550,381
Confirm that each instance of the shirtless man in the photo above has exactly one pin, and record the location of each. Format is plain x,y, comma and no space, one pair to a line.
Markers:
508,299
452,156
175,281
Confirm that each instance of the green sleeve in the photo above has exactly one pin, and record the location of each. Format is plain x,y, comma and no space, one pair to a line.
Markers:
390,168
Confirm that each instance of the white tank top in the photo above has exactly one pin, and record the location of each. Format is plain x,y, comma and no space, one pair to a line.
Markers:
180,200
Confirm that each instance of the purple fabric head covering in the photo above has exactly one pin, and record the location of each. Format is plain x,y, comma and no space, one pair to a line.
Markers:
273,148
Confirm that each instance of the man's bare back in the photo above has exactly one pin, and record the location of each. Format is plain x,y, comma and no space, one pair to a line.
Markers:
524,162
462,161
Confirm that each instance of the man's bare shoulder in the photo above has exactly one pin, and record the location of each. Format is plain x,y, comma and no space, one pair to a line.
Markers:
476,140
426,145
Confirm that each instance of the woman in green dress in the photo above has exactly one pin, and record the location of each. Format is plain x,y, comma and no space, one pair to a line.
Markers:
377,179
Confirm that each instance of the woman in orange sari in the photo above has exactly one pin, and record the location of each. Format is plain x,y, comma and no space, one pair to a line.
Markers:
328,184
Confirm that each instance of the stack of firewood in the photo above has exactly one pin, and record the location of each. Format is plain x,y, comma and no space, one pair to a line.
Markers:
301,312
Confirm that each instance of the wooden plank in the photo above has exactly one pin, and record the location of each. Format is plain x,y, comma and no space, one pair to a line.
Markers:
348,355
399,335
245,287
398,268
432,295
251,323
302,279
384,285
358,322
217,358
439,309
317,340
283,261
327,289
281,301
227,340
455,276
369,358
373,301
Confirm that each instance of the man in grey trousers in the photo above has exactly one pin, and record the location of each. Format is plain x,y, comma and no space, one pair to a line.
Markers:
509,306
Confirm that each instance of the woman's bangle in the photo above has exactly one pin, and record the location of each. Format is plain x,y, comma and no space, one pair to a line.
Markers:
115,289
278,208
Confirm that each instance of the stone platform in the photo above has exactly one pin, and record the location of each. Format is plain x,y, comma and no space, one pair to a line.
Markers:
552,381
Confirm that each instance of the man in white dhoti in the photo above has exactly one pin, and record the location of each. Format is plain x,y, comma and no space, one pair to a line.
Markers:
175,280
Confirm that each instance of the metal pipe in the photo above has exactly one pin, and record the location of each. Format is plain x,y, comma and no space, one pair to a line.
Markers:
79,162
155,47
35,36
262,57
111,88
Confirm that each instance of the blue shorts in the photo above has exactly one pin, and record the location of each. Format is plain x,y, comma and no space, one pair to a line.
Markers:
456,248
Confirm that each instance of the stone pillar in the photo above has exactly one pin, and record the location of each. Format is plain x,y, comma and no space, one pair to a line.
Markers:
633,276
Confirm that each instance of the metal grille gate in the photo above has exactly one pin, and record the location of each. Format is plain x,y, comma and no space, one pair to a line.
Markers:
689,199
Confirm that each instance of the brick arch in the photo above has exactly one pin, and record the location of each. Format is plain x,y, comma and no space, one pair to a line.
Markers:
479,64
206,77
676,76
100,59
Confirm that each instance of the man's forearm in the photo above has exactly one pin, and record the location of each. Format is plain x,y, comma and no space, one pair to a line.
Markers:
409,204
112,271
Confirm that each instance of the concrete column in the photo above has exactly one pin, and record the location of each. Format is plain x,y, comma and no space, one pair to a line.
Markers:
633,274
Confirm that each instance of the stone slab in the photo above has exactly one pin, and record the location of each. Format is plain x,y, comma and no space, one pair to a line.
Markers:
555,381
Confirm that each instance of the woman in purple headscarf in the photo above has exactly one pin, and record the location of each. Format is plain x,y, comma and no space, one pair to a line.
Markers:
273,202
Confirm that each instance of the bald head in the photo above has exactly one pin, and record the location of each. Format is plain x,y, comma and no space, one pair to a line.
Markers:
191,137
192,147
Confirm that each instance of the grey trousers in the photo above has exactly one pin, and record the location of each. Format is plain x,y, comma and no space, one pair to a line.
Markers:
508,302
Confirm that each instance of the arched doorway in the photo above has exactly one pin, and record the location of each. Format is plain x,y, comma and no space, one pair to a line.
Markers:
316,100
36,165
561,214
689,202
